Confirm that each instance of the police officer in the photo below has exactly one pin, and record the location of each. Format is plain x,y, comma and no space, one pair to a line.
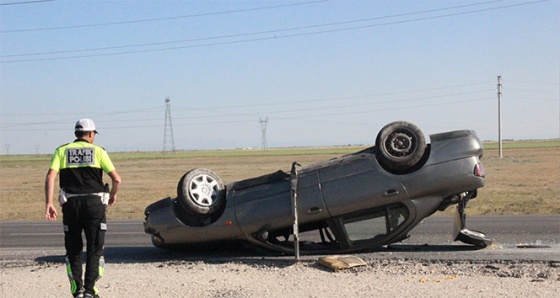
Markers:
83,198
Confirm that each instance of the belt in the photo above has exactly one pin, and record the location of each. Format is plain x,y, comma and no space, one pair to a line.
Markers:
71,195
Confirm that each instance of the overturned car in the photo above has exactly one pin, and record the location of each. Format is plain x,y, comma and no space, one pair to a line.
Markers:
356,202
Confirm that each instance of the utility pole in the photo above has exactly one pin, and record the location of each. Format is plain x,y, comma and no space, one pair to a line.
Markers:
500,116
168,142
264,123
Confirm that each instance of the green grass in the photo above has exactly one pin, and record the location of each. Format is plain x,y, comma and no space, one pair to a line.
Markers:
523,144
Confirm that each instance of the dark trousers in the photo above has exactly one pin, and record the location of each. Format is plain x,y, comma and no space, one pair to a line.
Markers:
87,214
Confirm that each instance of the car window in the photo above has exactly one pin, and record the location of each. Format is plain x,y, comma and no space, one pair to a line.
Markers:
376,223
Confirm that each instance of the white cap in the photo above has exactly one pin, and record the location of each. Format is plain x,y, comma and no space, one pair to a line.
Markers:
85,124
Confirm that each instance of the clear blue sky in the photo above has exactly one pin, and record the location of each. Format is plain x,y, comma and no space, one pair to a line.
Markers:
322,72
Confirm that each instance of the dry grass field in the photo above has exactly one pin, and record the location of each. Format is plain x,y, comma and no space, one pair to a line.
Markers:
526,180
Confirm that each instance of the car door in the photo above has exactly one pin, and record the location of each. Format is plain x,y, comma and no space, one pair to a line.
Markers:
357,183
373,227
268,206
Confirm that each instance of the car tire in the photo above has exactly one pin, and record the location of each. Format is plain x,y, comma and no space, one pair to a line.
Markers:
201,192
400,146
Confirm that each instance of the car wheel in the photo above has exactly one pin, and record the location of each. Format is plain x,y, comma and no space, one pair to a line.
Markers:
400,145
201,192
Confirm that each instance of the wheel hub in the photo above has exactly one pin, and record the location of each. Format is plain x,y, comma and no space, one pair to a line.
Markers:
203,190
401,144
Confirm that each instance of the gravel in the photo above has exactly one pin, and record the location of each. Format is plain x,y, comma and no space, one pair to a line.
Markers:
263,277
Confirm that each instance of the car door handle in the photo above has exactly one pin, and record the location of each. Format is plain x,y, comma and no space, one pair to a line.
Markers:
313,210
391,192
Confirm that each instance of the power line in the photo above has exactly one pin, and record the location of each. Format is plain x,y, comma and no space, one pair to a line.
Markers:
315,111
274,37
291,117
64,121
345,99
376,110
244,34
158,19
104,114
340,109
25,2
286,102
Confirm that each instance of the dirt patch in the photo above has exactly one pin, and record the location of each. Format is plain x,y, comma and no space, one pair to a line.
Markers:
266,278
524,181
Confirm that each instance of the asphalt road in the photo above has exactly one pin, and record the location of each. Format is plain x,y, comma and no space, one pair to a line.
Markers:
523,237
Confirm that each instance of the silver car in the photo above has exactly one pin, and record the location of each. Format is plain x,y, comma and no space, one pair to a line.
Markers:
356,202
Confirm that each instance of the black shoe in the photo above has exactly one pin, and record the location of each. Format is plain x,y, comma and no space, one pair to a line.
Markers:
79,294
89,295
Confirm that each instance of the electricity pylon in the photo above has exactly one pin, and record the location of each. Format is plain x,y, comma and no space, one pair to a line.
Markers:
168,142
264,123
